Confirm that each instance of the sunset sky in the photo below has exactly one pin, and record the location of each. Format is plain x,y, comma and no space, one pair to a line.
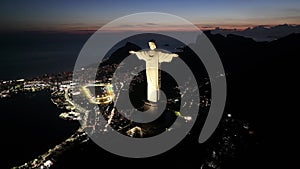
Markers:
65,15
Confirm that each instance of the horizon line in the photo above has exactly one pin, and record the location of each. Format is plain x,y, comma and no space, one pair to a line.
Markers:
202,27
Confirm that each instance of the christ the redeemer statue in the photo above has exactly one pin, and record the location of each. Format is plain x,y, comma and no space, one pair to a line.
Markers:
152,58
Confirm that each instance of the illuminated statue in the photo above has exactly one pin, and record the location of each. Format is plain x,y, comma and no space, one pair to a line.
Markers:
153,58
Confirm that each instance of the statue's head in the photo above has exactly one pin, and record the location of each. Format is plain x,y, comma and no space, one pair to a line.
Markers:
152,44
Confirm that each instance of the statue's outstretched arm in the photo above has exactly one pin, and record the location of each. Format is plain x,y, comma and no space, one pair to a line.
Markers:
174,55
166,57
132,52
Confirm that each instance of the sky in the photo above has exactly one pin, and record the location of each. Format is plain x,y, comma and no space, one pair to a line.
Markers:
64,15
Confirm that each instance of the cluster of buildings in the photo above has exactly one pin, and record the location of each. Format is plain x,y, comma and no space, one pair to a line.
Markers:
45,82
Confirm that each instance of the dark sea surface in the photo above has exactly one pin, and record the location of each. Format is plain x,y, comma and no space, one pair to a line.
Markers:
30,126
29,122
31,54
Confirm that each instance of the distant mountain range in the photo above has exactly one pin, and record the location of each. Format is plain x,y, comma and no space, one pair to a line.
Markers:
261,33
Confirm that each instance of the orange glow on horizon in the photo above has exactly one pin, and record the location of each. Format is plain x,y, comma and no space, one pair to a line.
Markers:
89,29
170,28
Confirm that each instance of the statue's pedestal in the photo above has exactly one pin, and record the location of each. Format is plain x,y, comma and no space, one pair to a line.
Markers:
150,105
149,112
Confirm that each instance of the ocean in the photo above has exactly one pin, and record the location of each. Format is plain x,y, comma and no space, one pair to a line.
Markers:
30,126
31,54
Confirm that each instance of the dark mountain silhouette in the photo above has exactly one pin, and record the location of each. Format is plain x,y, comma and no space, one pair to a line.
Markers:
121,53
262,33
261,82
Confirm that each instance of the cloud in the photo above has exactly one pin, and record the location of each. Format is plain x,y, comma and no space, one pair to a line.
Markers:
152,24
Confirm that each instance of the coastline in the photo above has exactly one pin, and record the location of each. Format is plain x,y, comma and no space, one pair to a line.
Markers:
32,124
